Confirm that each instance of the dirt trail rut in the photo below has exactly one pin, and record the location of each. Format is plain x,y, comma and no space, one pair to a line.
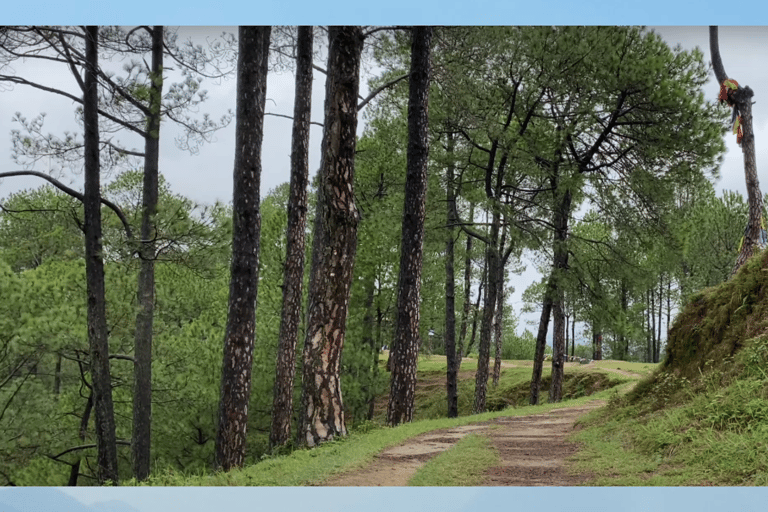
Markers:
532,450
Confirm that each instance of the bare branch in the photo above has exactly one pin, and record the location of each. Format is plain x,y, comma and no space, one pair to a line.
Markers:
291,117
85,447
717,61
379,89
74,193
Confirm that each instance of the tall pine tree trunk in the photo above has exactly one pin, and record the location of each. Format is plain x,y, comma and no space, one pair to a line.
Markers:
370,341
467,292
558,350
573,335
406,347
282,405
541,340
553,293
482,290
661,308
452,363
649,331
142,364
252,68
334,245
499,316
489,308
652,315
94,270
567,323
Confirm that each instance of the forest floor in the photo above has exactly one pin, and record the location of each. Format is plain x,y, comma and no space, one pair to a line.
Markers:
532,450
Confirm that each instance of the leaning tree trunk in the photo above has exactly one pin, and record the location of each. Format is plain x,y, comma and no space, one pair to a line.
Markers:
282,406
252,68
467,292
334,245
489,308
94,271
82,434
142,359
742,98
406,347
541,340
482,291
553,293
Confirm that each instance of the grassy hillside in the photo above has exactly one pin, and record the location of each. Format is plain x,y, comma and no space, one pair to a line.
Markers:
702,417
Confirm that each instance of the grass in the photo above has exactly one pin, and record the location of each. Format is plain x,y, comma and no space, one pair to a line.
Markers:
715,438
462,465
638,368
701,418
315,466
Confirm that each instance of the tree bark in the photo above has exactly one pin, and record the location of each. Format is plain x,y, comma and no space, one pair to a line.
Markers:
452,364
244,271
467,291
558,351
743,99
369,340
541,341
489,308
661,309
567,324
649,331
282,407
573,335
406,347
334,245
652,315
94,270
553,293
142,369
499,316
481,293
597,341
623,340
74,471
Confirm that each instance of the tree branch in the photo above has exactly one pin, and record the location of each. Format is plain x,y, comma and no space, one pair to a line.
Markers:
85,447
22,81
380,88
717,61
291,117
124,357
74,193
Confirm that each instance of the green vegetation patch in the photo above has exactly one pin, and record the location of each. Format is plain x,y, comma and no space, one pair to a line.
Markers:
717,321
462,465
702,417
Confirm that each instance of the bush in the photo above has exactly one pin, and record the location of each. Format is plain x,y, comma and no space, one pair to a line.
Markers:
519,346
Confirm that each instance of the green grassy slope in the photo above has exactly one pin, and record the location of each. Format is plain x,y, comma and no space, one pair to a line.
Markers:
702,417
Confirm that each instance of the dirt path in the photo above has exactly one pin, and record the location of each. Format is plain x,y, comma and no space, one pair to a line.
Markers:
532,450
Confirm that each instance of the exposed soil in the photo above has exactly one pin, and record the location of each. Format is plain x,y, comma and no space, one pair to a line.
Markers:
532,450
